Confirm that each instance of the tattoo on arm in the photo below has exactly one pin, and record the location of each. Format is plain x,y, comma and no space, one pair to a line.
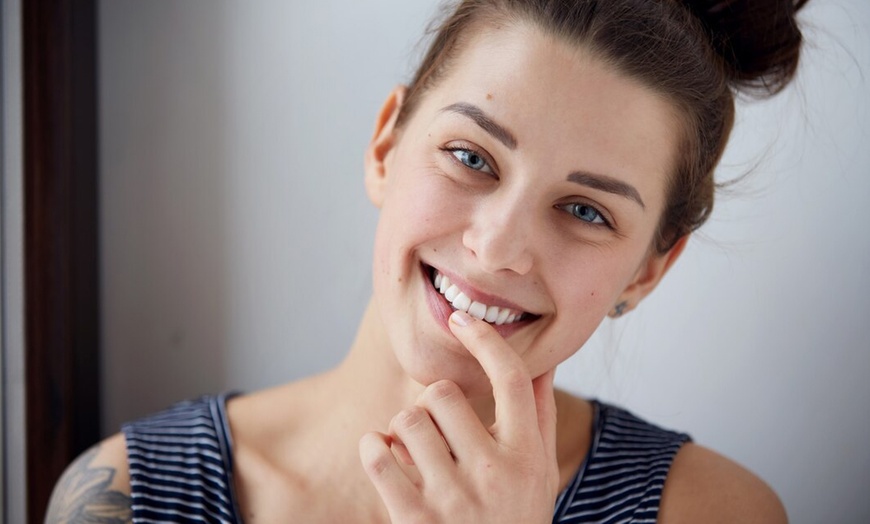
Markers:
82,495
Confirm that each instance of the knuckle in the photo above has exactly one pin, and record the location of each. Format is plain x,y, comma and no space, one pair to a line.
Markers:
378,464
442,390
516,379
485,461
530,466
410,418
376,458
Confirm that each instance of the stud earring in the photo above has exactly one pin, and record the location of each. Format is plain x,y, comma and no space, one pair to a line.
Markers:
619,309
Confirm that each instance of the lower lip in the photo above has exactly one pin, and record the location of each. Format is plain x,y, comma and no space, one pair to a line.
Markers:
441,309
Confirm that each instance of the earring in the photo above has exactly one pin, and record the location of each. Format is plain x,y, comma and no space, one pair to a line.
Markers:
619,309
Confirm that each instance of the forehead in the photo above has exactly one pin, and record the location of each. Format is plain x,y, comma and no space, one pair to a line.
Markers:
565,104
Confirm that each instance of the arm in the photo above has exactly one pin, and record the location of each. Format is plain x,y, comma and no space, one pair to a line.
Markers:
94,488
703,486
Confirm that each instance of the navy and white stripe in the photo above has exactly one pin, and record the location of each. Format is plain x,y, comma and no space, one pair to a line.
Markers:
181,467
180,464
622,478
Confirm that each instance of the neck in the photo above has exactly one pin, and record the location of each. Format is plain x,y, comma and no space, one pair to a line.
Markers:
329,413
374,378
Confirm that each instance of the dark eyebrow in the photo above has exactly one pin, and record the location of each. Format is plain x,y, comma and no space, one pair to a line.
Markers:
607,184
485,122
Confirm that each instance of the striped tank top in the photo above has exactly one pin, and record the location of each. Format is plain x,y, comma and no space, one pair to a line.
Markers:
181,467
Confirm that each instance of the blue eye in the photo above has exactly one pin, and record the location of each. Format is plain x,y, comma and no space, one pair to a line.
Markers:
586,213
472,160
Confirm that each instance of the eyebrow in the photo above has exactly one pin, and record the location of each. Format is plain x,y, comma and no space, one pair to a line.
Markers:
595,181
606,184
486,123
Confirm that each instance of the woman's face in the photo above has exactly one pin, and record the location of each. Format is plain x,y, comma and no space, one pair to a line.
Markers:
533,177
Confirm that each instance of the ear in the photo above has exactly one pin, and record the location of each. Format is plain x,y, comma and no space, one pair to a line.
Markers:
648,276
382,143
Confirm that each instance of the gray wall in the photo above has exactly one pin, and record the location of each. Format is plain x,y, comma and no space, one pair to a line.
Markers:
236,234
12,417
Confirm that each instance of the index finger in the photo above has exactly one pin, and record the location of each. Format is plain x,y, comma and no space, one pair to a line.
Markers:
516,413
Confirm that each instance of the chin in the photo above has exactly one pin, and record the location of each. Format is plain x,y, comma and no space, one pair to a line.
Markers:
428,361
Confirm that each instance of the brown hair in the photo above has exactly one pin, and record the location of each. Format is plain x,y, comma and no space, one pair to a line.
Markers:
698,53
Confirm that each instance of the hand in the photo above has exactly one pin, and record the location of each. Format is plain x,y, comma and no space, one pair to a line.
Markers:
466,472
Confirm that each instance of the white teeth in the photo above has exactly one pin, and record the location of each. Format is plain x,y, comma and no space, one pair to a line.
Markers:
477,310
445,284
461,301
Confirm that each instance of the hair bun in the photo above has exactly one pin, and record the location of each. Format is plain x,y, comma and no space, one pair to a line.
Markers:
759,40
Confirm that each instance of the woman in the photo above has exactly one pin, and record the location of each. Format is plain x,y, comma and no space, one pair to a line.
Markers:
543,169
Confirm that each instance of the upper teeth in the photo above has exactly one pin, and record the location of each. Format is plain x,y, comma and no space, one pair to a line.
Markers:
459,300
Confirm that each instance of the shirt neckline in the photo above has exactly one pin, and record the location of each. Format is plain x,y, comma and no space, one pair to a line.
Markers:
225,438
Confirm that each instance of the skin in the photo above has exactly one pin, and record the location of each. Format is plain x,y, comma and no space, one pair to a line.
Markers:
433,420
93,489
509,235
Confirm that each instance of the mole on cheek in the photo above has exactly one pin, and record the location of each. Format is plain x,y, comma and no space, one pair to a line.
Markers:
489,96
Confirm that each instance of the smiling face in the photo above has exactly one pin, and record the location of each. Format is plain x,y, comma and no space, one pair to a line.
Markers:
532,177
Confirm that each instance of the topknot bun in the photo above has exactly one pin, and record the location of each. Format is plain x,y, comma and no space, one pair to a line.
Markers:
759,40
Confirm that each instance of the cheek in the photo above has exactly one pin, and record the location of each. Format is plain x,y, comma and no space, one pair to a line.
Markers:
418,214
592,277
587,307
587,286
581,310
422,209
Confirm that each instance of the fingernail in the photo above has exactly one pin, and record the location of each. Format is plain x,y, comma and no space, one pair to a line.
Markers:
461,318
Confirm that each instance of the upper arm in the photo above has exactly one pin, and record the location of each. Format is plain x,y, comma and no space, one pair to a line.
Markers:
703,486
95,487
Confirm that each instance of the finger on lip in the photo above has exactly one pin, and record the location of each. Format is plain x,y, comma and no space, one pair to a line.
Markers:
507,372
484,343
471,331
461,318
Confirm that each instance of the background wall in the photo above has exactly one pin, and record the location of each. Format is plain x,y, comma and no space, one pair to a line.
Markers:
236,235
13,496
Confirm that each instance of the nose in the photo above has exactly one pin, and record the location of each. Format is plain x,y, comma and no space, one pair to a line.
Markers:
499,236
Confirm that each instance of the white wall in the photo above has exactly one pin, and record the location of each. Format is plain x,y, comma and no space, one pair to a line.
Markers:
236,234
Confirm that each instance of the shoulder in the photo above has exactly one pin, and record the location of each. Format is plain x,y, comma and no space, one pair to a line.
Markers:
95,487
703,486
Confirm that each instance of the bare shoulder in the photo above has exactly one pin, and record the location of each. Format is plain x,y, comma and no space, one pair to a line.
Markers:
95,487
703,486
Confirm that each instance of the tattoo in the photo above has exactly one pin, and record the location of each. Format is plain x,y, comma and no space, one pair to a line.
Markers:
82,495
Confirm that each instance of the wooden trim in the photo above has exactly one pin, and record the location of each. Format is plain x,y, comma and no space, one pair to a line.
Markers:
60,240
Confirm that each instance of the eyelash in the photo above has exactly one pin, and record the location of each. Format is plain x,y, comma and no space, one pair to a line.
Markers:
452,150
568,208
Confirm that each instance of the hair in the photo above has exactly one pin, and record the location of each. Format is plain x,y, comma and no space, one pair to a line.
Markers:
697,53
